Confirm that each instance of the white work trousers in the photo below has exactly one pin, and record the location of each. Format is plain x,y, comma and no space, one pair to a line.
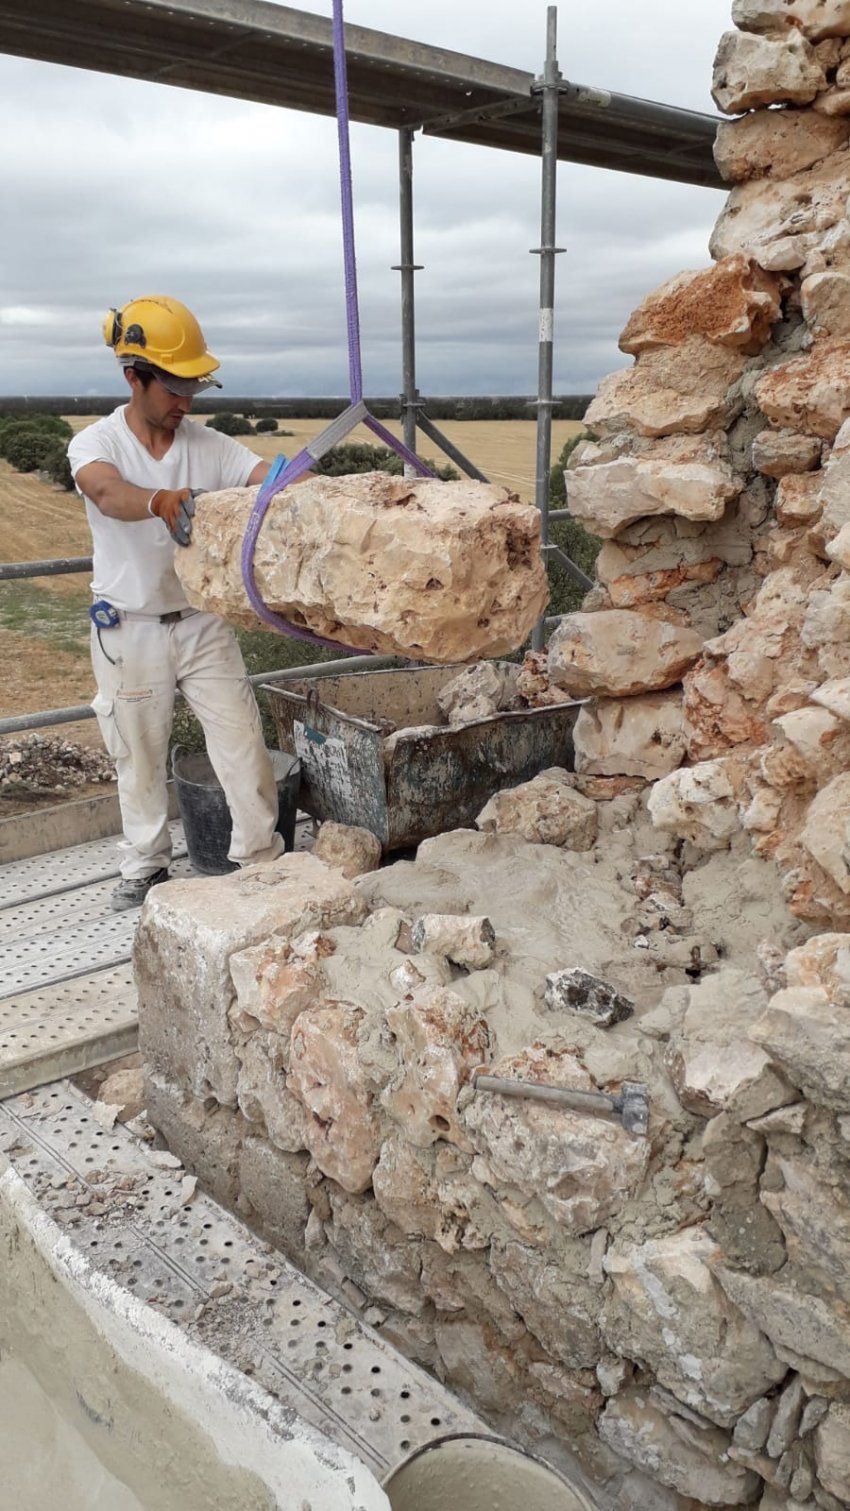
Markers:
134,707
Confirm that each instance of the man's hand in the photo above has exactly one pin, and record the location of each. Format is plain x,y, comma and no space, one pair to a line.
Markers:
176,507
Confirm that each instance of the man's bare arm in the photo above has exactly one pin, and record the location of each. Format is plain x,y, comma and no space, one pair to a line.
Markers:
104,485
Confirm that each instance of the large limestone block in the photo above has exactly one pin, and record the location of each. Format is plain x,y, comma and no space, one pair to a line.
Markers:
642,736
436,571
733,303
800,1325
776,143
695,1464
817,19
697,803
751,70
667,1310
617,653
808,1036
187,934
672,390
330,1076
811,392
440,1040
545,811
582,1169
781,221
694,481
714,1066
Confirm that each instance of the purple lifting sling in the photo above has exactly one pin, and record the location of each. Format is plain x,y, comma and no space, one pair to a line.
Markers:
283,473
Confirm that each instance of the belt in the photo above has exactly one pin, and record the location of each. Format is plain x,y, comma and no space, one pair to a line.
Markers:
170,618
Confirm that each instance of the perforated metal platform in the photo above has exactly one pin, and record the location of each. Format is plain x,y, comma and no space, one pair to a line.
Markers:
218,1282
67,1000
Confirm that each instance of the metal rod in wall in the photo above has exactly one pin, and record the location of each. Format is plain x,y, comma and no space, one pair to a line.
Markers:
547,252
408,270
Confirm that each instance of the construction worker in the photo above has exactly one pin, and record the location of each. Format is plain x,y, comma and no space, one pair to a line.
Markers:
137,470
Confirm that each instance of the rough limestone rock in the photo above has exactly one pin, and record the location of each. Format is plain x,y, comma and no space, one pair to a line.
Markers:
781,221
751,70
545,811
466,940
825,302
275,981
479,692
440,1040
697,1467
667,1309
826,829
832,1451
714,1066
776,452
816,19
348,848
125,1091
187,934
685,476
576,991
815,1218
582,1169
642,736
697,803
733,303
673,390
328,1076
436,571
808,1036
776,143
807,1330
810,393
263,1095
617,653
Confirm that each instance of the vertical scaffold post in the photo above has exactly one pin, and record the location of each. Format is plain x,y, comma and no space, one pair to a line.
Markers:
408,269
547,251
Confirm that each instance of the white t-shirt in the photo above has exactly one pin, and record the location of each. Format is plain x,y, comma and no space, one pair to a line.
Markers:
134,559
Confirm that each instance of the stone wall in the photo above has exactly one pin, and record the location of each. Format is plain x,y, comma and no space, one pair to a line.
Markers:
672,1311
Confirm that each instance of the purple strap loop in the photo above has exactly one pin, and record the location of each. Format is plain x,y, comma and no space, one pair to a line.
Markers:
277,479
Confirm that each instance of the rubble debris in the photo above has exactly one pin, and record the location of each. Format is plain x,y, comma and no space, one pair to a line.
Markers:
466,941
45,765
479,692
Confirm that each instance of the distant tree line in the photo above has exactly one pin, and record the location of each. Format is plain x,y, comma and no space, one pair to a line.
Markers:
451,407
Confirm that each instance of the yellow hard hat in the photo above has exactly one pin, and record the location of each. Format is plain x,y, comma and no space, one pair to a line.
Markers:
160,332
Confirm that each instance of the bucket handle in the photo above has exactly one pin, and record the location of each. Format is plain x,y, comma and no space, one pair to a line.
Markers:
175,752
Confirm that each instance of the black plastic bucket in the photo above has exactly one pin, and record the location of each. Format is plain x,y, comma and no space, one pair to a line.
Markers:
204,811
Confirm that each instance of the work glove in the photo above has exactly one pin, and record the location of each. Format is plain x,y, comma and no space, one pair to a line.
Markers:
176,507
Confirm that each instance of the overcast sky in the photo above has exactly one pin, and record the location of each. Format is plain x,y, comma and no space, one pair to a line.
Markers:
113,188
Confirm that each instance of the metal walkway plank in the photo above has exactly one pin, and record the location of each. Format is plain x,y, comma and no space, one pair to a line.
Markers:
61,870
63,1029
181,1253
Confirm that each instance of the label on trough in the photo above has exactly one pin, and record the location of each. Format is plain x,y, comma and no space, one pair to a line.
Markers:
324,761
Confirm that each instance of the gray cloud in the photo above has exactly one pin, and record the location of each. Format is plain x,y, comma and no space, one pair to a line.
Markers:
114,188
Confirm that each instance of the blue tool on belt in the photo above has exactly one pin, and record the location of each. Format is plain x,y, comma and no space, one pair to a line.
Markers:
104,617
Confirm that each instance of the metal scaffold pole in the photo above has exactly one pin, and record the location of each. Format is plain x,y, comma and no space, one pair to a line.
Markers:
408,269
547,251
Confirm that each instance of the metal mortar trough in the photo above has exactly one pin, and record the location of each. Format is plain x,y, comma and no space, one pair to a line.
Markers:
373,751
478,1474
